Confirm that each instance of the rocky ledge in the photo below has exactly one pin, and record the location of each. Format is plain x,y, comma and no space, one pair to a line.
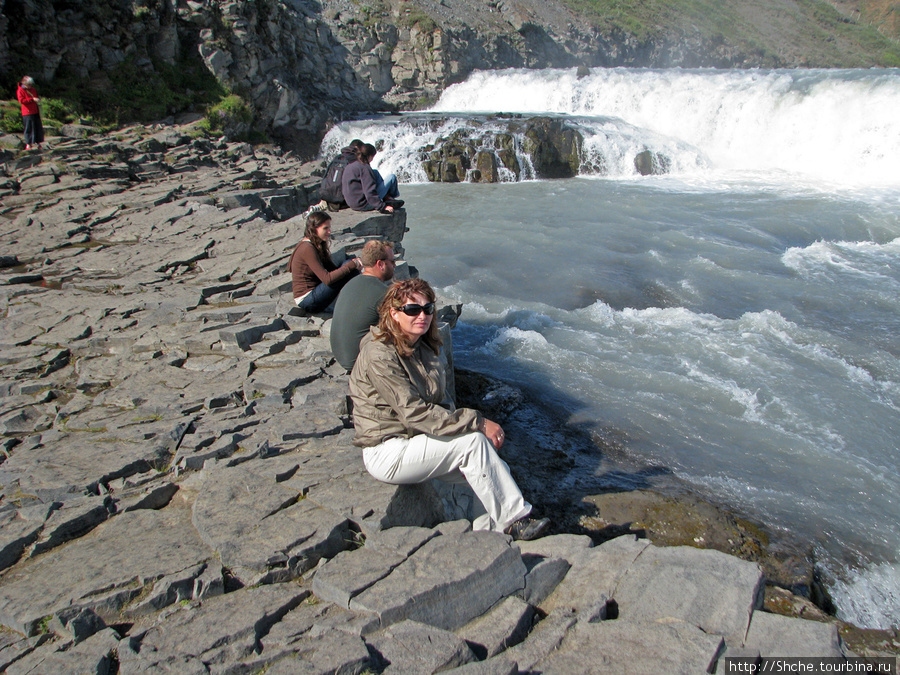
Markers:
179,488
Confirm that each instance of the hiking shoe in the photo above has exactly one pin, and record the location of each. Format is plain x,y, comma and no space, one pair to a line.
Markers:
321,206
527,529
396,203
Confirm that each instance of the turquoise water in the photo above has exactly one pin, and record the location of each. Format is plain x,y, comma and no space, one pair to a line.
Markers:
735,321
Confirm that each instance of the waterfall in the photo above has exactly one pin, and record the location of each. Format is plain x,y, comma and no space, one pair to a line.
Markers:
833,125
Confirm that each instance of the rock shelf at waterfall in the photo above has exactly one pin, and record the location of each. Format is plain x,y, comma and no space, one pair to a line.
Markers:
180,490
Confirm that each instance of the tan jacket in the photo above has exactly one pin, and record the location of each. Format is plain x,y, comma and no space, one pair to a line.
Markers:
394,396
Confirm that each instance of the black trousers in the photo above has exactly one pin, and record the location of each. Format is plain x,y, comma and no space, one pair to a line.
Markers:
34,130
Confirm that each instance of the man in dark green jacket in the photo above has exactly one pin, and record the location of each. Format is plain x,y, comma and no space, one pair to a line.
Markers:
357,306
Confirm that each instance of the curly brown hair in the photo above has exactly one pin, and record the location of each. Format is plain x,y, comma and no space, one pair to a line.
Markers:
389,330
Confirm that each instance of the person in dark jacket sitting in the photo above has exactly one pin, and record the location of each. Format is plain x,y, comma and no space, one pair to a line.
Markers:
331,188
363,190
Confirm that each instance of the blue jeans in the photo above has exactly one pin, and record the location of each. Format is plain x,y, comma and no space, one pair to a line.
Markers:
322,297
386,188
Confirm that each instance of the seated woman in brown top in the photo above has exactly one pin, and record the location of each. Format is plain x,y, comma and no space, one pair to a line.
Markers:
315,279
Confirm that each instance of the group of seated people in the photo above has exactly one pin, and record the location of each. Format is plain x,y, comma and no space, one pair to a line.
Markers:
387,338
350,181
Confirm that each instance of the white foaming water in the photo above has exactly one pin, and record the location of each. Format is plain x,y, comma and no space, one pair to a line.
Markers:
870,597
743,335
609,148
735,321
835,125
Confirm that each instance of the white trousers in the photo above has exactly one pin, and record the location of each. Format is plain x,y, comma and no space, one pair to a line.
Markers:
470,458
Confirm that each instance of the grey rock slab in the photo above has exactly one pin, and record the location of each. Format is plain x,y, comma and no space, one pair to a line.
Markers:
274,285
313,638
310,616
594,574
177,587
566,546
76,623
281,380
544,639
454,527
145,497
77,462
333,475
306,326
16,533
708,589
401,540
262,530
413,647
193,457
329,394
297,424
334,652
28,419
13,647
440,587
496,666
102,570
73,519
625,647
351,572
96,654
244,335
505,625
772,635
544,575
220,630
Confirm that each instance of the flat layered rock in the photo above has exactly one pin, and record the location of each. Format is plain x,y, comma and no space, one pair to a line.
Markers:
103,570
505,625
594,574
221,630
96,654
781,636
624,647
401,647
262,530
80,462
437,587
711,590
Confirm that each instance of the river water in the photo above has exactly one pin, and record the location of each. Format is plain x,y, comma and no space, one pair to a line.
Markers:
736,320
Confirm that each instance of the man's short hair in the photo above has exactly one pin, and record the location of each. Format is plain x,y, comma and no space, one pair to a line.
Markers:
374,251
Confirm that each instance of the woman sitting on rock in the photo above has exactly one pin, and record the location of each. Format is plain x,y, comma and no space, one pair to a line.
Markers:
407,425
315,279
364,189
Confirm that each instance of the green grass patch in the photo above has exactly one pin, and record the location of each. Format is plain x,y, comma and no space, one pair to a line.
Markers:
720,22
130,93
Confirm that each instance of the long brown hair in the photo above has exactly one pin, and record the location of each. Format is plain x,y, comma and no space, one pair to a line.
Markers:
389,330
313,223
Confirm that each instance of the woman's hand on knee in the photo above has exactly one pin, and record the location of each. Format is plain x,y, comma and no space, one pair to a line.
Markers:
494,433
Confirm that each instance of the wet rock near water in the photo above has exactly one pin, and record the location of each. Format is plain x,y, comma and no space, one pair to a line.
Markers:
498,148
178,486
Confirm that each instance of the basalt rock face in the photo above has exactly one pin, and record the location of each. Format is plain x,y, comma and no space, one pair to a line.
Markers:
302,64
539,147
504,148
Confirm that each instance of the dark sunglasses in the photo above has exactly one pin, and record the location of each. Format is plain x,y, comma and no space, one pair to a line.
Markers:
415,310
